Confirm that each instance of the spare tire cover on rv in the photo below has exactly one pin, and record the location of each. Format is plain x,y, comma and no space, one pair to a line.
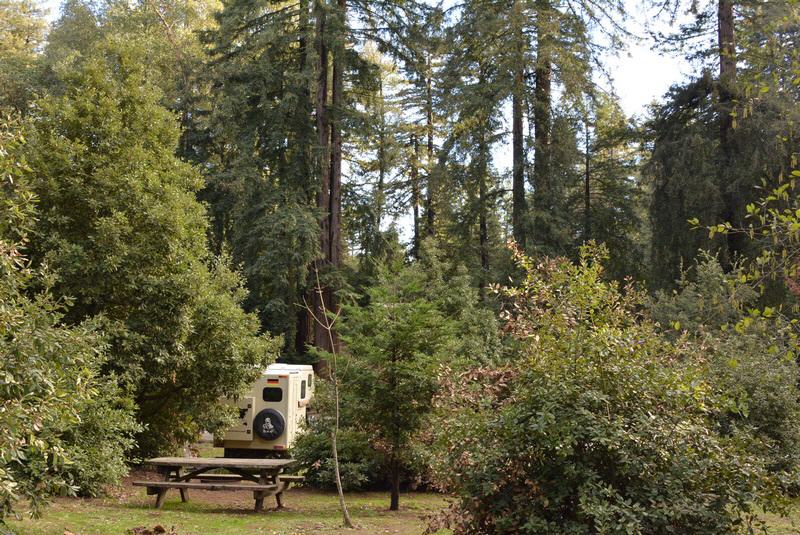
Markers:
269,424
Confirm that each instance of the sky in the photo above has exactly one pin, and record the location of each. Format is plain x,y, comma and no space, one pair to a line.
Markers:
640,74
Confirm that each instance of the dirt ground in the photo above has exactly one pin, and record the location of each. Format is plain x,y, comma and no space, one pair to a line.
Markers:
127,509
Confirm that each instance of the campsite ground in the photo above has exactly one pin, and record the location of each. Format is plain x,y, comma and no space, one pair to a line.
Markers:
230,513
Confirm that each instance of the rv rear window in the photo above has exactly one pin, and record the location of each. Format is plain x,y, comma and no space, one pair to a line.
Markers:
302,390
310,379
272,394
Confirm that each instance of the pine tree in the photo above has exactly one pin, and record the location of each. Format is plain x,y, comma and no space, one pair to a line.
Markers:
704,123
286,74
612,207
476,86
421,99
385,166
261,158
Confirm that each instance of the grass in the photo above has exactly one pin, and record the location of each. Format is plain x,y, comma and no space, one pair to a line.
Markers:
207,450
229,513
785,525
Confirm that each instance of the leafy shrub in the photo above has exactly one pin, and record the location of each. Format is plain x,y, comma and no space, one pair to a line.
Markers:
120,224
98,445
750,353
754,365
600,425
54,404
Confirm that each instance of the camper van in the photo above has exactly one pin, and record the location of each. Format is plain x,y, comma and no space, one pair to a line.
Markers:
272,413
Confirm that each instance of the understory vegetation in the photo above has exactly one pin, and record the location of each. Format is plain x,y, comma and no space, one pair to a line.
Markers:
600,424
565,318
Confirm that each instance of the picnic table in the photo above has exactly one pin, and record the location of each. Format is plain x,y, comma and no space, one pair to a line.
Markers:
262,476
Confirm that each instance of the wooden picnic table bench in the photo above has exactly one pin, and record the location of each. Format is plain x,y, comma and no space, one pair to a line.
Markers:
262,476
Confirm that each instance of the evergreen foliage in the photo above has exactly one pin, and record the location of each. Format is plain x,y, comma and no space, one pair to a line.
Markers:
417,320
193,161
684,170
262,179
120,226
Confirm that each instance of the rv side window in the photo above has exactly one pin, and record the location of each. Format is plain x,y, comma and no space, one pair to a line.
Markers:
310,379
302,390
272,394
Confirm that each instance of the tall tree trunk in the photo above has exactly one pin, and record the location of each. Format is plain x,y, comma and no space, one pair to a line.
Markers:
415,193
336,136
379,194
393,441
429,202
587,199
519,206
304,327
727,80
394,503
321,337
483,224
334,208
542,118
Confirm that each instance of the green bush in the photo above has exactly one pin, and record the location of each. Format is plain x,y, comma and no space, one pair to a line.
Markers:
750,353
97,447
600,425
359,465
120,225
54,405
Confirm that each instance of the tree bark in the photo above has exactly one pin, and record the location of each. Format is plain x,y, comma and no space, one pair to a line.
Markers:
337,102
587,199
394,501
519,206
330,193
727,93
304,326
542,118
324,158
429,202
415,193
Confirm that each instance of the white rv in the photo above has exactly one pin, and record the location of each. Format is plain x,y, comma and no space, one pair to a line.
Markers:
271,413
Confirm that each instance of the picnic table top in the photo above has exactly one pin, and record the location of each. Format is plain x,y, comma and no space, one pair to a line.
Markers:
220,462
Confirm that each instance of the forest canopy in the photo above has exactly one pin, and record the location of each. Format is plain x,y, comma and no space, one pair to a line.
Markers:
188,186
